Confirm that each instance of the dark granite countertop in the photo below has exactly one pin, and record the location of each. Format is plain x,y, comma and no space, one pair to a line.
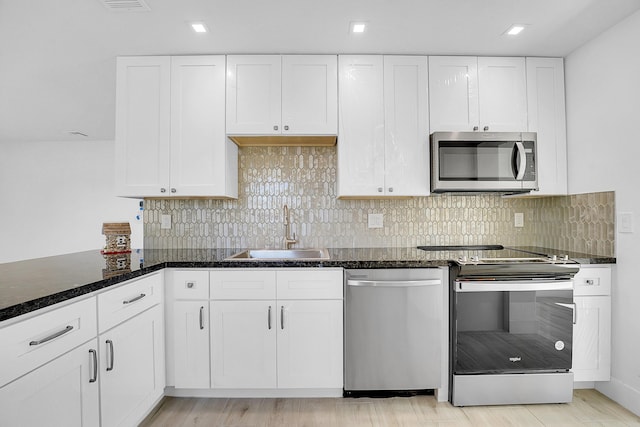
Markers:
29,285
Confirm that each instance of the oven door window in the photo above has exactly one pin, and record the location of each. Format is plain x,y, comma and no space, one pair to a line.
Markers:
512,332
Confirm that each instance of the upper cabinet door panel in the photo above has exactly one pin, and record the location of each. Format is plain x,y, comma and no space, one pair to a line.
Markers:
502,94
198,137
546,116
361,126
453,93
406,125
310,94
253,94
142,126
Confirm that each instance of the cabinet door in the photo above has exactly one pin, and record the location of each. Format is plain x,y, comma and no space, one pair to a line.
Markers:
453,93
61,393
191,344
361,126
253,94
546,116
200,151
310,344
502,94
243,344
592,339
132,368
406,107
142,126
310,94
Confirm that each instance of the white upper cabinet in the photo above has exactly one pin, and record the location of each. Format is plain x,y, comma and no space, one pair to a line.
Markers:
546,114
282,95
142,126
477,93
383,149
170,128
203,161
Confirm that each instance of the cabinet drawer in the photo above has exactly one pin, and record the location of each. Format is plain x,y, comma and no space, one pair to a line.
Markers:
310,284
126,301
243,284
37,340
189,284
592,280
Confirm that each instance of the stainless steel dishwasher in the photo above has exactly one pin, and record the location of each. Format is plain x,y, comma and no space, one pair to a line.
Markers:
393,330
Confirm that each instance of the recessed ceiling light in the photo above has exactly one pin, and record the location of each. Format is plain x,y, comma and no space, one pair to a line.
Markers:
358,27
199,27
515,29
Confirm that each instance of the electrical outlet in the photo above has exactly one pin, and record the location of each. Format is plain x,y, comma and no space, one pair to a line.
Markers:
625,222
375,220
165,222
518,219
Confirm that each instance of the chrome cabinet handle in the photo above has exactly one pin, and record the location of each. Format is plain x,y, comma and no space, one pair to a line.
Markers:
589,282
380,189
173,190
139,297
163,190
475,128
202,317
110,344
52,336
282,317
94,355
575,313
486,128
390,189
269,318
275,128
286,128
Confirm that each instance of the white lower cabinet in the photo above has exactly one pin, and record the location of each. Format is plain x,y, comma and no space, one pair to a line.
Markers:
132,368
191,344
592,328
63,392
260,339
243,344
309,342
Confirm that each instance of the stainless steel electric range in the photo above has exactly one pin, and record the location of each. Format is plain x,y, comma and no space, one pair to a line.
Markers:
511,323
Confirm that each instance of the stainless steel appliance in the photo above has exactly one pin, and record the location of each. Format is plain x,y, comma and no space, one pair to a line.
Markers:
393,329
483,161
511,320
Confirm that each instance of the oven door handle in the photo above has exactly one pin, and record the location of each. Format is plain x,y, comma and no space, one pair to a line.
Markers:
512,286
393,283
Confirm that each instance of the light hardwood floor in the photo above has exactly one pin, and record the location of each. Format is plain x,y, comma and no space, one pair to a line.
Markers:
589,408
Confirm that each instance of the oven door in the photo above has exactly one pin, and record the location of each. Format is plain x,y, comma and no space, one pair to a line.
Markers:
511,327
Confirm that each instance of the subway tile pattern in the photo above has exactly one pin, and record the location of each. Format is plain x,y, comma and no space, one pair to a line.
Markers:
304,178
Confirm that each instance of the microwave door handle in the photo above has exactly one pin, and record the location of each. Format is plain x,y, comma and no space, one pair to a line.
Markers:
522,161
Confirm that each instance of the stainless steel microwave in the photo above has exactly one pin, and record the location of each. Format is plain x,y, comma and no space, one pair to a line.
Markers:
503,162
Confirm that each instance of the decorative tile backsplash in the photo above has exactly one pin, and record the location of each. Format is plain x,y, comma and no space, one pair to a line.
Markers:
304,178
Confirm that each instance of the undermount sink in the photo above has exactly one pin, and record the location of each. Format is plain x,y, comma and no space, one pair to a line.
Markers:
311,254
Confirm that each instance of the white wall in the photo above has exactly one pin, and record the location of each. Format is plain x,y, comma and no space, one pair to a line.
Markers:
603,118
54,197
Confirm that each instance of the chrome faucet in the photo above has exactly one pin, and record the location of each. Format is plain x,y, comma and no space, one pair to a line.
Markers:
288,241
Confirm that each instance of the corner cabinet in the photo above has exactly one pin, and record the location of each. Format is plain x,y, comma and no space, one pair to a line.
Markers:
383,148
592,328
282,95
547,117
170,128
469,93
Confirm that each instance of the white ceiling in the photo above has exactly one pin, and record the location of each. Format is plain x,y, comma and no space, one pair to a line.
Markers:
57,57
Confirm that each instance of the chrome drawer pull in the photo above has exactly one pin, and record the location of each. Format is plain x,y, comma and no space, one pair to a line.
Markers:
52,336
139,297
110,344
95,366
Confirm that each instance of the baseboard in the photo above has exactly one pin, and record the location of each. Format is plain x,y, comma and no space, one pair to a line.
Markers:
621,393
253,393
583,384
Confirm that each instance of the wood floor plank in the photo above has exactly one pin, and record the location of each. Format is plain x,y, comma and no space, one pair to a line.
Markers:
589,408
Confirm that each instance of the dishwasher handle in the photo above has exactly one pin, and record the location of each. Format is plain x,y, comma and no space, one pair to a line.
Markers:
394,283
